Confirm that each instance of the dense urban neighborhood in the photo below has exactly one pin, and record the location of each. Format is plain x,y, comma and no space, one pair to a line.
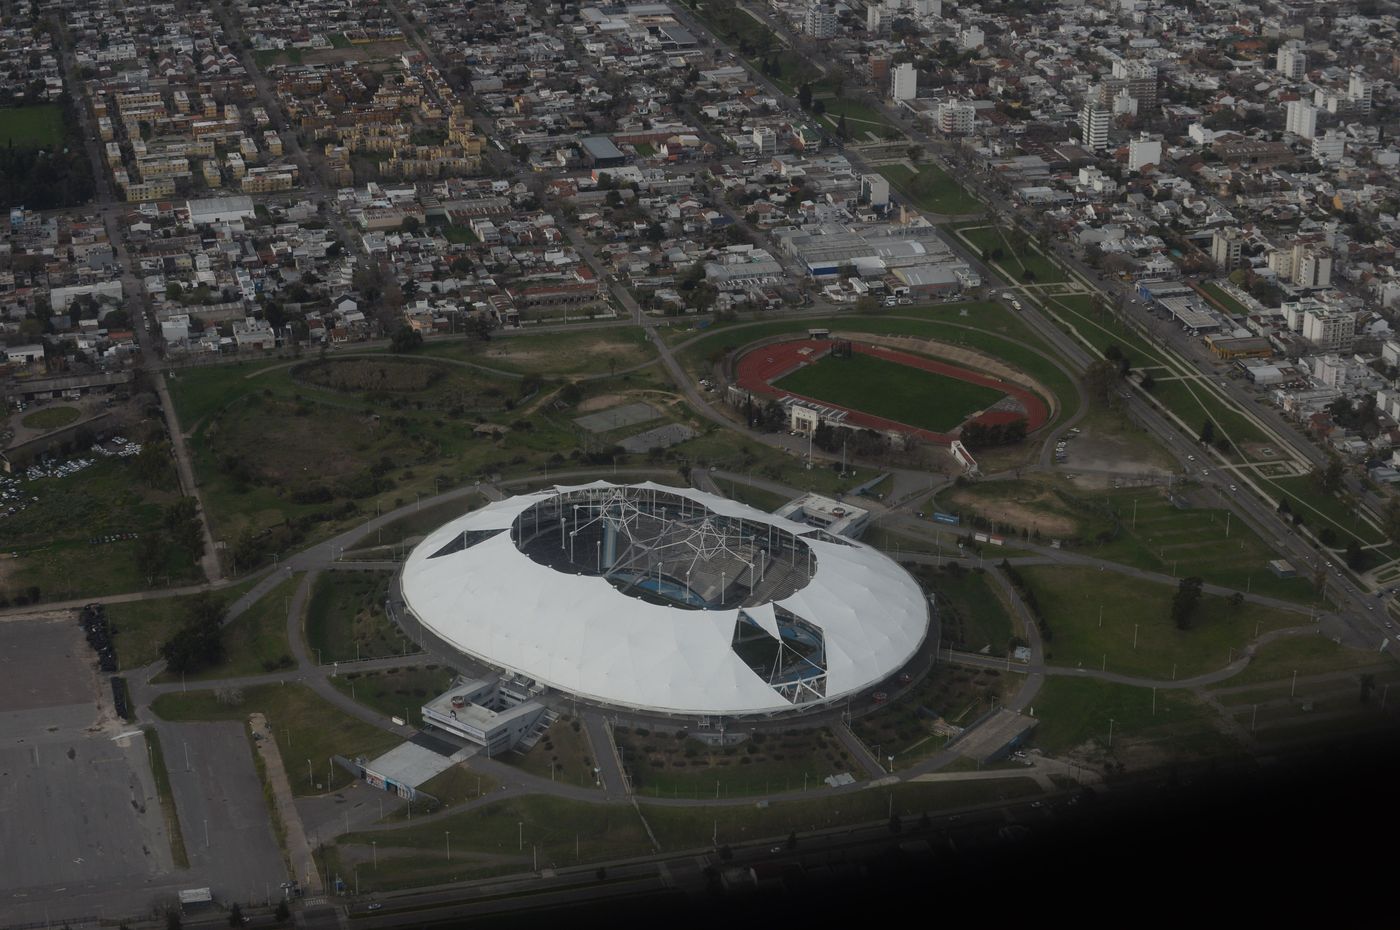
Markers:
735,448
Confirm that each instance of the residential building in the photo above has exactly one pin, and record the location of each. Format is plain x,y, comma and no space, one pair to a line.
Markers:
765,141
1329,147
820,21
875,189
1300,119
1359,92
956,118
1328,329
1312,266
1093,125
1225,246
1144,151
904,82
1292,61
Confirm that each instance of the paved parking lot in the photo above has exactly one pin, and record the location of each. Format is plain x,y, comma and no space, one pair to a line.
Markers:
78,807
228,834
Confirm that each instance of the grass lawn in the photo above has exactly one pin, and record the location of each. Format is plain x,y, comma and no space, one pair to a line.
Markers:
39,126
645,149
458,235
255,642
971,612
561,755
931,189
860,118
768,501
60,539
888,389
419,523
1073,711
1043,270
338,40
697,827
958,695
51,417
507,830
305,725
345,619
1193,403
556,355
1070,600
1208,542
140,627
396,692
1321,508
1306,655
451,787
664,766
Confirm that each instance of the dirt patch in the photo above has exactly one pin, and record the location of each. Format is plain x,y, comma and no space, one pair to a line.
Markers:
601,402
1118,456
1022,513
367,52
369,375
1260,452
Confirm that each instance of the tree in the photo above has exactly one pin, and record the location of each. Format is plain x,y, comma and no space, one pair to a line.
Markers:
411,225
1207,433
792,840
1368,684
405,339
1101,381
1329,477
1391,519
199,643
235,915
841,129
172,920
282,912
1184,603
804,96
1354,556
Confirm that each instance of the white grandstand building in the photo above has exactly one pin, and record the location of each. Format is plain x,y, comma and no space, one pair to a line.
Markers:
665,599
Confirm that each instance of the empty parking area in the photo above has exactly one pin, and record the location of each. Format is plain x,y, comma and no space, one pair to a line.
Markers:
45,662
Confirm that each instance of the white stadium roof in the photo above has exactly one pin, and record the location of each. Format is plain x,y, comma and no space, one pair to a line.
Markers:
707,606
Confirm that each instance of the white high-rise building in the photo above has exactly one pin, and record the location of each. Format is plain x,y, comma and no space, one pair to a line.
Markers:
873,17
1329,147
904,82
1312,266
928,7
1359,91
1226,247
1301,118
1292,61
765,140
1093,125
820,21
955,118
875,189
1144,151
971,37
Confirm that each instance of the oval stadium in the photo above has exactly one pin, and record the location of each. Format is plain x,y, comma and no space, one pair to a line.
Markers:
665,599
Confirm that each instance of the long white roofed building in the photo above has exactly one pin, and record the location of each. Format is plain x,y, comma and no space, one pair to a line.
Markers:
665,599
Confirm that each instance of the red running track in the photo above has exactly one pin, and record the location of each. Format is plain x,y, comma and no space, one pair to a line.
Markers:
757,370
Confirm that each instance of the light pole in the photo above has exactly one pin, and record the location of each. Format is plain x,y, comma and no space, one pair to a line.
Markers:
1110,732
521,830
448,835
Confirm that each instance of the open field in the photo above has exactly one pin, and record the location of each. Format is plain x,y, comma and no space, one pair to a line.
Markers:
51,417
507,830
1320,509
971,610
396,692
372,434
345,618
861,120
255,642
140,627
931,189
1024,265
696,827
1076,711
1138,612
904,727
39,126
53,538
671,765
555,355
1305,655
305,726
891,390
